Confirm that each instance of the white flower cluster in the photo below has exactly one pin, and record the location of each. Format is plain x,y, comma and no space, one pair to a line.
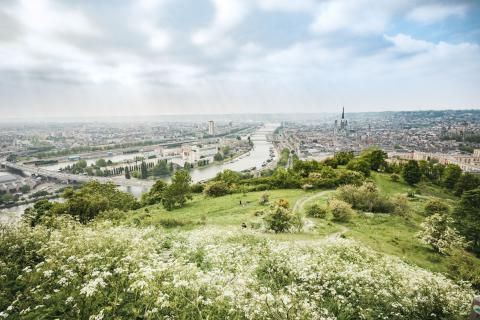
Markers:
101,271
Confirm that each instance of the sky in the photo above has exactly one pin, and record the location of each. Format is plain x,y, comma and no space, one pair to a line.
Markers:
83,58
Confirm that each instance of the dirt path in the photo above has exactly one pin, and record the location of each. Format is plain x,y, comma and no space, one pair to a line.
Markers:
300,203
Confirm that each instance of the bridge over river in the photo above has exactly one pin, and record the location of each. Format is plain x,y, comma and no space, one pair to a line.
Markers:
73,178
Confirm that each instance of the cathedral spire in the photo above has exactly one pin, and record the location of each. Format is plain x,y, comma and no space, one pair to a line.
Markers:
343,113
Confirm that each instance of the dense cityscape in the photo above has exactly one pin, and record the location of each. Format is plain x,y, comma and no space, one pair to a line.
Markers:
240,160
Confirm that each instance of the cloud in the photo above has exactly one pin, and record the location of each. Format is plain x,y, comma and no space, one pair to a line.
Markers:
406,44
228,14
429,14
356,16
143,19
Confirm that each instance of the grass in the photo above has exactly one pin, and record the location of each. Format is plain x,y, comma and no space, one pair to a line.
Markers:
385,233
220,211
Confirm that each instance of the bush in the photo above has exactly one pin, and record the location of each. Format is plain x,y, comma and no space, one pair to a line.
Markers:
171,222
437,231
283,203
197,187
341,211
401,205
394,177
281,219
264,199
317,211
216,189
365,198
436,206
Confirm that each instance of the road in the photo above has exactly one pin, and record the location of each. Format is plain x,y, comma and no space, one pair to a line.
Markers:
72,178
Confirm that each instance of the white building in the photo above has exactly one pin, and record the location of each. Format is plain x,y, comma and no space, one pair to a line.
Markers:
195,153
211,127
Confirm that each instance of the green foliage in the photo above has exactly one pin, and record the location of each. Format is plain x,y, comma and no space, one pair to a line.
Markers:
95,271
101,163
401,205
230,177
365,198
411,172
360,165
93,198
161,168
155,194
82,164
264,199
283,158
341,211
197,187
394,177
25,188
281,219
317,211
467,217
216,189
451,175
467,181
143,170
40,210
437,231
218,157
436,206
375,157
343,157
178,192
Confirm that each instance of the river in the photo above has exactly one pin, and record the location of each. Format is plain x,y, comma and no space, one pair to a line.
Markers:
255,158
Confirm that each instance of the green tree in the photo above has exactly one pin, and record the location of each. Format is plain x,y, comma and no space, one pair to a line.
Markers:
343,157
25,188
155,194
436,206
94,197
360,165
437,231
375,157
178,192
34,215
230,177
216,189
467,181
218,157
451,175
82,164
101,163
143,170
161,168
467,217
281,219
411,172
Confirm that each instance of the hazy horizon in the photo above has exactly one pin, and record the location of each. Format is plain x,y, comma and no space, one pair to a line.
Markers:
162,57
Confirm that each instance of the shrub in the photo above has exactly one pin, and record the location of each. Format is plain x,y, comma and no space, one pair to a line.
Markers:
366,198
283,203
171,222
436,206
264,199
216,189
197,187
317,211
279,219
401,205
341,211
394,177
438,233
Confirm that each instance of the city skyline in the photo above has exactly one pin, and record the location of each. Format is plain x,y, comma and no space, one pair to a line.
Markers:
154,57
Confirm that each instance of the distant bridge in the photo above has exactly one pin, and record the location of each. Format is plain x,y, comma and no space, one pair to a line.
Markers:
68,178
